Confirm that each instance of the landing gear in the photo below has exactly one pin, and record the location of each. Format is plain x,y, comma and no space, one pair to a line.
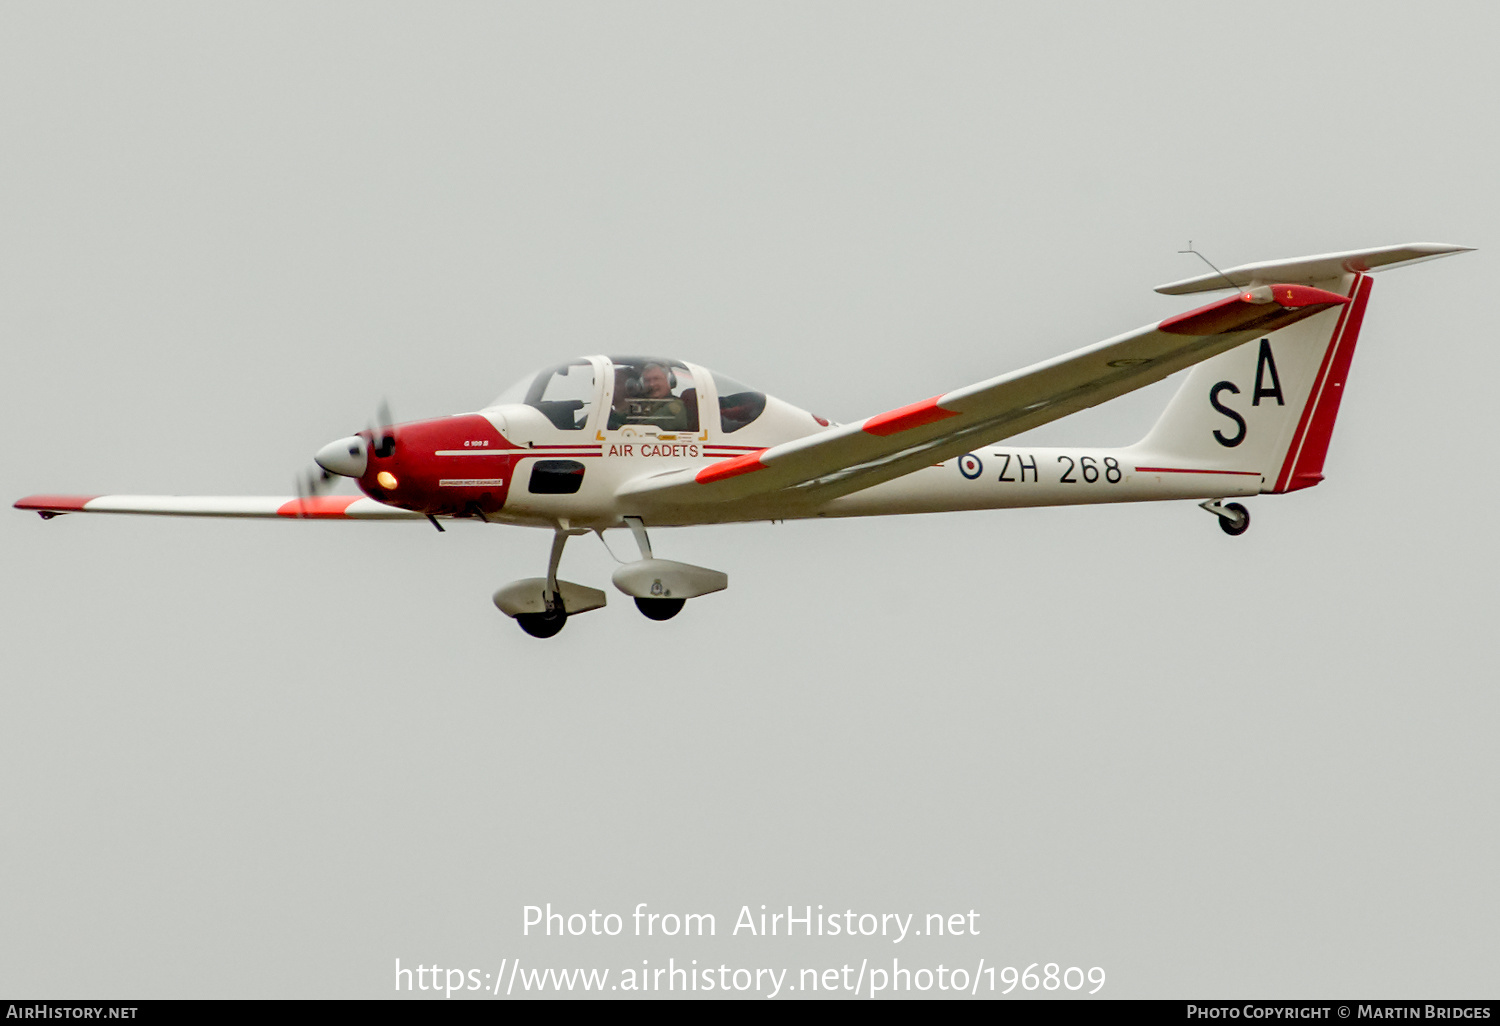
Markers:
542,605
660,609
555,617
1238,526
661,587
1234,519
543,625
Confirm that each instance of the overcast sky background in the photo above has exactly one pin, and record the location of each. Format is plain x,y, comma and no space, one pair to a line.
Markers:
268,759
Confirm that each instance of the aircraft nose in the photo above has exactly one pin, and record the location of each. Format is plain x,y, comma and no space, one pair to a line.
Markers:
348,457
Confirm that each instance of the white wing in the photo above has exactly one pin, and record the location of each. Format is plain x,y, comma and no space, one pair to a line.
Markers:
327,507
820,467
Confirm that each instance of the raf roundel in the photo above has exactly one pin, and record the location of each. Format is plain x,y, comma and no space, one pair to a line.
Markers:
970,466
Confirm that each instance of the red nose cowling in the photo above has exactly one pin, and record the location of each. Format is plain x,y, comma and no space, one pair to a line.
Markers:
456,466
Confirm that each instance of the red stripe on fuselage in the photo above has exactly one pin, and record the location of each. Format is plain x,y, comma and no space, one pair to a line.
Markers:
1189,470
907,417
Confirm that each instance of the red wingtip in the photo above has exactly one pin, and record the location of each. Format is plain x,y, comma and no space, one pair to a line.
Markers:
55,503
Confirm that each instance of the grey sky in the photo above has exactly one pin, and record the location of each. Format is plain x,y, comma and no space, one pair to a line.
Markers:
250,759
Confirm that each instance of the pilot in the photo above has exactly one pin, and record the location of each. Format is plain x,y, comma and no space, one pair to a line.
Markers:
670,412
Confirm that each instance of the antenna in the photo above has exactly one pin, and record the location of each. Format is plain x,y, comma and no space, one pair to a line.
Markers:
1210,263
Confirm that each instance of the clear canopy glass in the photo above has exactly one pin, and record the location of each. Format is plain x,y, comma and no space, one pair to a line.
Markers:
565,393
645,390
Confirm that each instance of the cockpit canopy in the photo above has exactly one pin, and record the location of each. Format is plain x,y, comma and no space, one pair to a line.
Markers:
649,391
565,394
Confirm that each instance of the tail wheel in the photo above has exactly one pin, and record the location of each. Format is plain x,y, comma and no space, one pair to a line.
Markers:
660,609
1240,524
543,625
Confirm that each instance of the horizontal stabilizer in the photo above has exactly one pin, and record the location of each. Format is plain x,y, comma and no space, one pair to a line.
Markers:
1322,267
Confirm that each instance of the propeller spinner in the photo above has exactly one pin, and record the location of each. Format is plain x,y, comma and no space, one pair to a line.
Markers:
347,457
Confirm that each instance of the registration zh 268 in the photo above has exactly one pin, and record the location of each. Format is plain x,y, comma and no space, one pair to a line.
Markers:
1025,467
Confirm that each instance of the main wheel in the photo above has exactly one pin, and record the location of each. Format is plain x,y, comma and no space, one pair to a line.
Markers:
660,609
543,625
1230,527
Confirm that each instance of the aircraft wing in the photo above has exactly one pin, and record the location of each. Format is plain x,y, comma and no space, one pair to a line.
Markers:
851,457
326,507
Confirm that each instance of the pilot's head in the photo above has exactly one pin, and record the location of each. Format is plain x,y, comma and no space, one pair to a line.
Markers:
656,383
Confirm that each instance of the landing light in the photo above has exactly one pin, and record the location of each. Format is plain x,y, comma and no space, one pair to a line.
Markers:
386,480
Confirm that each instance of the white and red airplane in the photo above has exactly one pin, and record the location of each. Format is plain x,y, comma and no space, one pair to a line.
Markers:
637,442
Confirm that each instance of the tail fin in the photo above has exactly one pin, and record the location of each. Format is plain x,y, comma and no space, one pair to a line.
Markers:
1268,407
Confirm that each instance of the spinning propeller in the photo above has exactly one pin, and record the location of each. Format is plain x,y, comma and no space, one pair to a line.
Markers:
313,482
347,457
